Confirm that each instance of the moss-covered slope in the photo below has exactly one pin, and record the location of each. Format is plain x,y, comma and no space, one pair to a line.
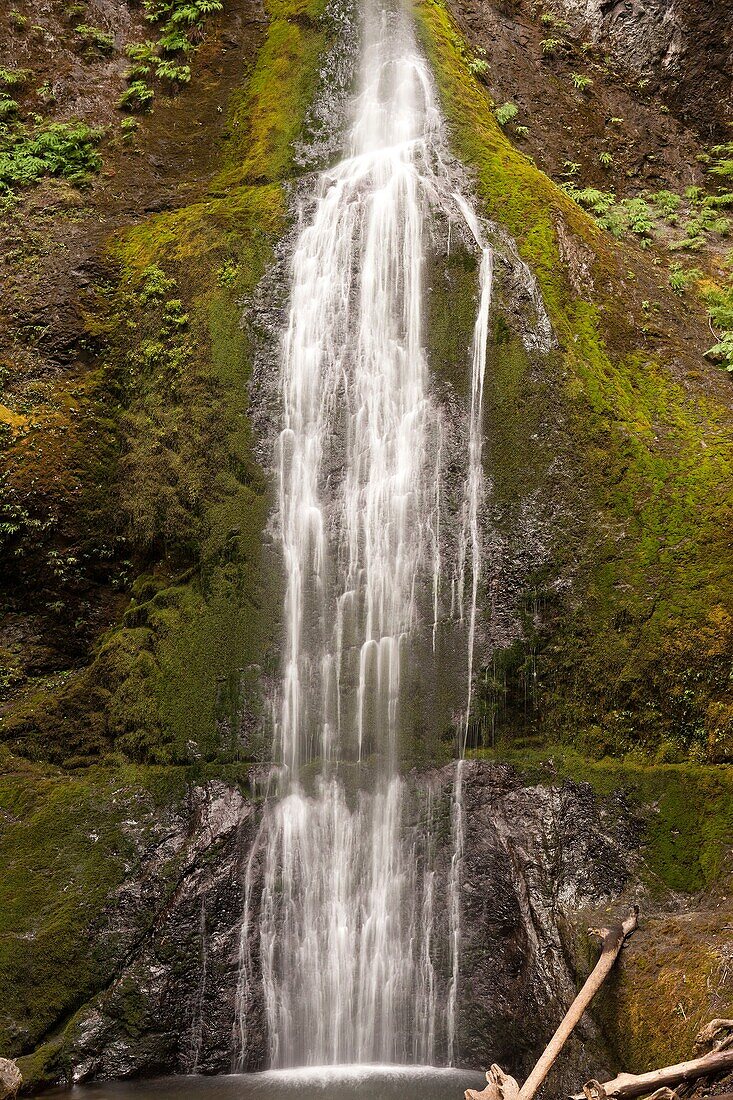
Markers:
165,461
628,635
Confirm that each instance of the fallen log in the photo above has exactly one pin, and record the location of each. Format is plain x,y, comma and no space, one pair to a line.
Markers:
503,1087
613,939
628,1085
500,1087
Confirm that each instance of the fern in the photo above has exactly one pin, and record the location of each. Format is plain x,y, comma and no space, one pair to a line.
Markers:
639,216
65,149
15,78
173,41
506,113
138,97
168,70
667,203
94,40
478,66
595,201
722,165
8,108
188,14
723,351
680,277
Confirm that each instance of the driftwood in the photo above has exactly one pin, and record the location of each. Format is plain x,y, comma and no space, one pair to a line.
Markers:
613,939
656,1085
718,1035
628,1085
10,1079
502,1087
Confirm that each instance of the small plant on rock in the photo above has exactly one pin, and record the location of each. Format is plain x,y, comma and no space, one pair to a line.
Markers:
550,46
8,108
46,93
640,221
15,78
128,128
65,149
668,203
478,66
506,113
680,277
582,83
227,273
137,97
94,41
169,70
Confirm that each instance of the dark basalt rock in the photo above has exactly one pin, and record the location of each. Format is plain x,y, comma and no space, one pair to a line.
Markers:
537,861
171,1006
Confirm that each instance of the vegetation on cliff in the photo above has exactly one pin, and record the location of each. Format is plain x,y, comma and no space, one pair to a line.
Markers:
166,476
633,650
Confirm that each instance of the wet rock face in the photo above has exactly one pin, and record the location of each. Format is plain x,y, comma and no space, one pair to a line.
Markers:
171,1006
686,48
537,860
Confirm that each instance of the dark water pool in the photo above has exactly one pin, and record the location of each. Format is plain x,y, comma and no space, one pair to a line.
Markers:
312,1083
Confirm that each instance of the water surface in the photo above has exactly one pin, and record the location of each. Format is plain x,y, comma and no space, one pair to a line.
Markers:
309,1083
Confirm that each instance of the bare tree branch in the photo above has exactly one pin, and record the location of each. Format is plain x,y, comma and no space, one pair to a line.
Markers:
628,1085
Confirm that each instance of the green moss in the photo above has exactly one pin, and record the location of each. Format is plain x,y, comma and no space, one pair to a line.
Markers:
178,678
67,843
687,809
45,1067
63,851
451,314
267,116
671,980
649,549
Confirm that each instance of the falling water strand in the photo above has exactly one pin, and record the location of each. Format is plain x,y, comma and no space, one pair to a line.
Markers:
347,920
245,970
197,1032
470,542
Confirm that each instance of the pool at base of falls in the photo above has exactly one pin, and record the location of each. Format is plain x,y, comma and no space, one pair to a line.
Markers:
306,1083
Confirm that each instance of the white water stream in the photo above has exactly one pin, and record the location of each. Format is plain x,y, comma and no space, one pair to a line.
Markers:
347,920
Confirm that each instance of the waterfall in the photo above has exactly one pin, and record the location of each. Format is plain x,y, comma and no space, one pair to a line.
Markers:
348,927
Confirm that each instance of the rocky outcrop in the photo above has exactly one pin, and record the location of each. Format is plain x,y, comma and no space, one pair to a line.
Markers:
536,859
686,50
171,1005
544,856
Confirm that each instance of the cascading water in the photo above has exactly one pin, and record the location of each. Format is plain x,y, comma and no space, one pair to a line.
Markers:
348,945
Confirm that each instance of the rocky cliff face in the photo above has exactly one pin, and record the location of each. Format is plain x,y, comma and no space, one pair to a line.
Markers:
538,860
541,860
687,53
